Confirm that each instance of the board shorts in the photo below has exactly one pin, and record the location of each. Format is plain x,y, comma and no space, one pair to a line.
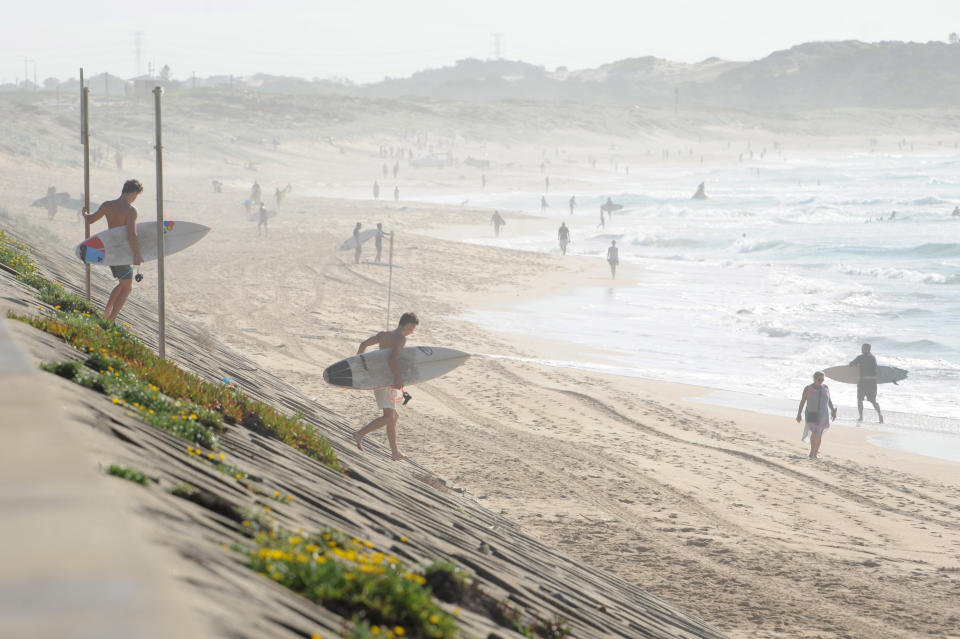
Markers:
389,398
867,389
122,272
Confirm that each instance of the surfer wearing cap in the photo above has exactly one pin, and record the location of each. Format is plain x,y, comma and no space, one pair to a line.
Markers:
817,398
120,212
392,397
613,257
867,384
563,236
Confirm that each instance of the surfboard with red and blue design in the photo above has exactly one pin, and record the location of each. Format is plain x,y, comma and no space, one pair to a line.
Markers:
112,247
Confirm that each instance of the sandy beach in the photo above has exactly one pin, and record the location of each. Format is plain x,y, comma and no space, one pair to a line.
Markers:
715,510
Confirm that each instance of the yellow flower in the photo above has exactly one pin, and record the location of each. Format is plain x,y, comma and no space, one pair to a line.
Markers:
400,631
222,456
434,619
295,540
375,630
289,498
276,494
315,636
266,508
151,411
456,612
403,539
349,576
368,544
246,523
239,475
321,559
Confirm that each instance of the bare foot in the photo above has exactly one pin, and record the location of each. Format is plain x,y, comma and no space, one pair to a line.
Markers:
357,438
398,456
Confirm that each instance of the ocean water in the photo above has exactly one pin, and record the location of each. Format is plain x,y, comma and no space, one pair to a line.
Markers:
775,276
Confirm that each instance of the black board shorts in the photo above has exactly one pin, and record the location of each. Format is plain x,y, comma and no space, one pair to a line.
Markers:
867,389
122,272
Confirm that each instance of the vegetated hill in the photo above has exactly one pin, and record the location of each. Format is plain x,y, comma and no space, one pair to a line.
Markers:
842,74
812,75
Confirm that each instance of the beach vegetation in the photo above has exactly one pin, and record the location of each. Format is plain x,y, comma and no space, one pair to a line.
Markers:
130,474
349,576
180,402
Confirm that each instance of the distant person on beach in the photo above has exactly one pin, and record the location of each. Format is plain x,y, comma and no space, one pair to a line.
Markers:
602,224
262,219
396,169
497,221
701,192
217,186
392,397
396,194
483,180
546,184
543,204
817,398
613,257
376,190
120,212
956,211
356,240
563,236
51,203
378,241
867,384
255,192
573,203
893,216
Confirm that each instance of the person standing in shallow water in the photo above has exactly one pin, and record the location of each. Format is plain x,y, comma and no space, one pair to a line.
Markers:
391,398
816,396
563,236
867,384
497,221
613,257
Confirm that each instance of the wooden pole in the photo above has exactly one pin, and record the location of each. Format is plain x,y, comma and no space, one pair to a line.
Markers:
390,281
162,339
85,140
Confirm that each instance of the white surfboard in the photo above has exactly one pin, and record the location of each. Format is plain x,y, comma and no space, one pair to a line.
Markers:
112,248
851,374
349,243
371,370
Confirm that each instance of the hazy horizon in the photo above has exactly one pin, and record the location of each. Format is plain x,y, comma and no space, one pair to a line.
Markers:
368,41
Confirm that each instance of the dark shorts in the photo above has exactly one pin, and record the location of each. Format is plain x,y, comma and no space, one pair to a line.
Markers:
122,272
867,389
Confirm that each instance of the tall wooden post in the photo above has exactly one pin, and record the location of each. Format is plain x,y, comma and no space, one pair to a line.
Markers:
85,140
162,339
390,281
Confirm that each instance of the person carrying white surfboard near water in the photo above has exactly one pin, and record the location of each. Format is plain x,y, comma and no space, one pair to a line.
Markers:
391,397
867,384
120,212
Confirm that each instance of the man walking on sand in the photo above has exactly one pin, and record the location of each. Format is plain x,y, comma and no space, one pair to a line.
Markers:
392,397
867,384
120,212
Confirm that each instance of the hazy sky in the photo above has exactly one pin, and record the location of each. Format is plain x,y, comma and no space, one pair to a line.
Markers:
366,40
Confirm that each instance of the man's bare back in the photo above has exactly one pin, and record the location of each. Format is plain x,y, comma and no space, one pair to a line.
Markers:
395,340
118,213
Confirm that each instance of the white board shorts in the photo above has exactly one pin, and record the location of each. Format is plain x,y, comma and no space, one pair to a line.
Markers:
389,398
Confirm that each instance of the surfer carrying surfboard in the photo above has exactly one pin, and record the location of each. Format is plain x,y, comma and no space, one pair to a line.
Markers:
867,384
120,212
389,398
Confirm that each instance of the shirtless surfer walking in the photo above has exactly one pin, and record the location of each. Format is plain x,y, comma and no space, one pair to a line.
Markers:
390,398
120,212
